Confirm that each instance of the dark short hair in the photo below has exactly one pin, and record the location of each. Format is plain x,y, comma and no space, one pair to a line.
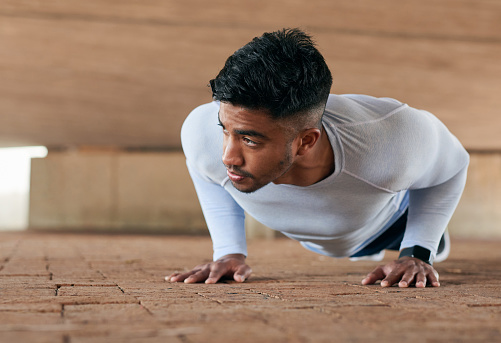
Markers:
281,72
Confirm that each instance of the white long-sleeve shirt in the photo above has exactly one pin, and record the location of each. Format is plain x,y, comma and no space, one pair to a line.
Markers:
388,157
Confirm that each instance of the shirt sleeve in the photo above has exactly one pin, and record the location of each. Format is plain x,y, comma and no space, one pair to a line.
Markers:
430,210
440,179
224,217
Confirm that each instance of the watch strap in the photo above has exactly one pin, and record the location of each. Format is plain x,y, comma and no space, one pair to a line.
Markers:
418,252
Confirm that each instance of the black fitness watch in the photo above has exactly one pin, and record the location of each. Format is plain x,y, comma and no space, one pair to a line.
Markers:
418,252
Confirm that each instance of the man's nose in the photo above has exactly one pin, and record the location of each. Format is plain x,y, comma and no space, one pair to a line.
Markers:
232,155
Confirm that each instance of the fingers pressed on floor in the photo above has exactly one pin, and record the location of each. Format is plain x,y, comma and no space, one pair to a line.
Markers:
198,276
420,280
372,277
214,276
407,278
244,271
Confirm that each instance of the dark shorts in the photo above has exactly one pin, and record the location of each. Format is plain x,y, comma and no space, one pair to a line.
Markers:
388,240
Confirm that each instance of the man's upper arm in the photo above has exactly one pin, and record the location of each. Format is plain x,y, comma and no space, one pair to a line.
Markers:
441,154
202,141
437,188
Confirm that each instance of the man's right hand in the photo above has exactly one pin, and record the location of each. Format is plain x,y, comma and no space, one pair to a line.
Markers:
232,266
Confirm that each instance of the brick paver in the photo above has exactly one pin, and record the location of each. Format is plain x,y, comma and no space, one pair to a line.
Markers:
73,288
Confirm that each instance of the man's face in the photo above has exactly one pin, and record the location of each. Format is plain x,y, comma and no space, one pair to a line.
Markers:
257,150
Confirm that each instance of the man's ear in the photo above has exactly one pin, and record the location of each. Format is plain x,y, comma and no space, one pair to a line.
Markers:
307,140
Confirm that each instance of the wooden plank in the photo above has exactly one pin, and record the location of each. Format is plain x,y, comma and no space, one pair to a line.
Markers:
70,80
470,19
458,81
130,86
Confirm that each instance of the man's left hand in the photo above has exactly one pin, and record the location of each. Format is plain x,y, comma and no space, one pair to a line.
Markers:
406,271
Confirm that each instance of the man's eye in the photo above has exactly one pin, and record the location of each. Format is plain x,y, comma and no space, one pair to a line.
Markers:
249,141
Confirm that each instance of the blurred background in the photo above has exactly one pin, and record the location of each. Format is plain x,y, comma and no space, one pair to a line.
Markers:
93,95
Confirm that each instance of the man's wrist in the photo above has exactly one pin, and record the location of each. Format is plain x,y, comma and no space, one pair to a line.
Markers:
418,252
237,256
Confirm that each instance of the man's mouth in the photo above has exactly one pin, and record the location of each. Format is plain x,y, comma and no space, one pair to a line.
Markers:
235,177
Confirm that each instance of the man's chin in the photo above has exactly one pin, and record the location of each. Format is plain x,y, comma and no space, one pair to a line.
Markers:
244,188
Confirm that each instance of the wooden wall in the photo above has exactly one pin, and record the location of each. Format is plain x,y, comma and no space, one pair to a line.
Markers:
107,75
114,191
479,211
126,73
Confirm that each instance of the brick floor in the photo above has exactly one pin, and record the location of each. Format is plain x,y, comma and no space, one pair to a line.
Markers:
73,288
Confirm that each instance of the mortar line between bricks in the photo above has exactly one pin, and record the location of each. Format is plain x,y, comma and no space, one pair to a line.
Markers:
47,267
85,284
56,291
283,327
267,294
98,271
146,308
209,298
137,299
4,262
12,253
183,338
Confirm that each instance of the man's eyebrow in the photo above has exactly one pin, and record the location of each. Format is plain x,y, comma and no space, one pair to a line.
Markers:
251,133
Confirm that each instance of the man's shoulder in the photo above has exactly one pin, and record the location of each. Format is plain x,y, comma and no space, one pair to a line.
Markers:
202,140
392,145
357,108
201,116
200,124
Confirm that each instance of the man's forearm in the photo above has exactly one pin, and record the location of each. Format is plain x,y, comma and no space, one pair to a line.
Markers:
430,210
224,217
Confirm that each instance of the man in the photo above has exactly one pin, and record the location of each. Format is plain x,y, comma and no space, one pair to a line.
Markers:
345,175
